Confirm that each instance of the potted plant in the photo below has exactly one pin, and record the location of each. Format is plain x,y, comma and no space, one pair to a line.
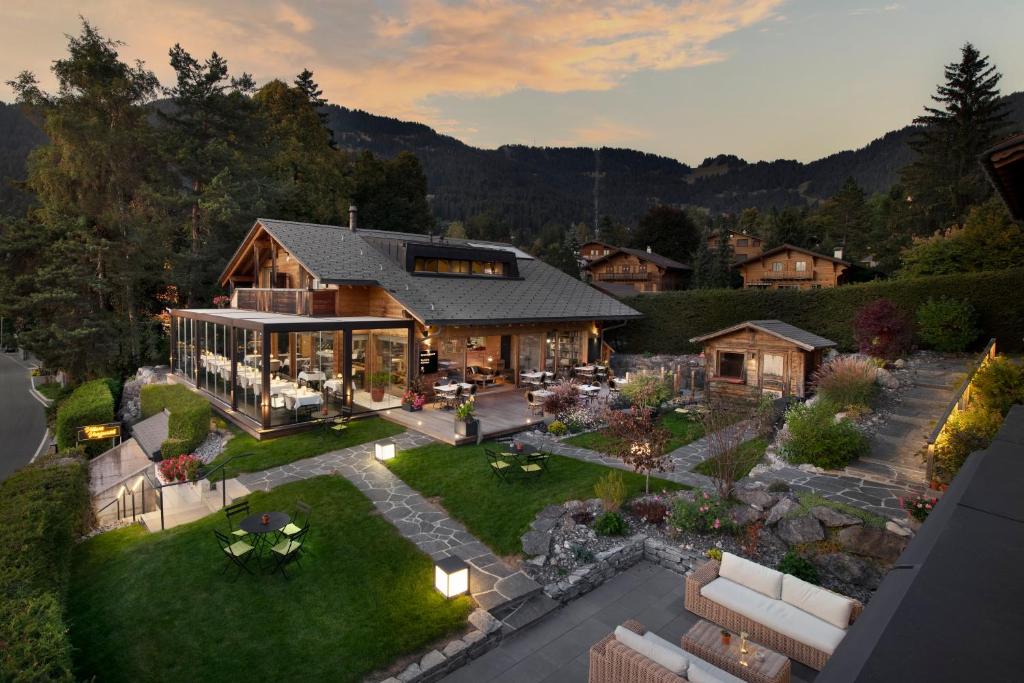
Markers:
379,381
413,401
466,423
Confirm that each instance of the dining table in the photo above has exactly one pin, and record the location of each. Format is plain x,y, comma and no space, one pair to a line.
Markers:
301,397
261,533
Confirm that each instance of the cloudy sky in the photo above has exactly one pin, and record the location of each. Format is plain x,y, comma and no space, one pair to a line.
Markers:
762,79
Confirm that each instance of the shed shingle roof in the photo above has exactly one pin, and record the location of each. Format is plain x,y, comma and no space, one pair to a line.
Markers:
802,338
338,256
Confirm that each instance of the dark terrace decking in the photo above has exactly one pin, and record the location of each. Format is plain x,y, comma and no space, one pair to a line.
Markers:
501,411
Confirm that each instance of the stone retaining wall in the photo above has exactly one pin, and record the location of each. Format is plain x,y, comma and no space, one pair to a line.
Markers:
436,664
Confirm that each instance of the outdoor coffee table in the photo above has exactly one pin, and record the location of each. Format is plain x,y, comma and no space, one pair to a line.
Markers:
762,665
254,526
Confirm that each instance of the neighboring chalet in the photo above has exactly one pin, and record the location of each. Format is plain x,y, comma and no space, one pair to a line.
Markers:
761,357
593,250
627,271
790,267
744,246
329,321
1004,165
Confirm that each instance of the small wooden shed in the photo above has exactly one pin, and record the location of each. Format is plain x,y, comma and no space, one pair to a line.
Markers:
761,356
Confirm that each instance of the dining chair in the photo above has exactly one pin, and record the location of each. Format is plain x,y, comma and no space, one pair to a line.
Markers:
236,510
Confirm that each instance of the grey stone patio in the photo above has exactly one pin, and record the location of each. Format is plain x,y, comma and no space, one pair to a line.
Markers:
556,649
429,526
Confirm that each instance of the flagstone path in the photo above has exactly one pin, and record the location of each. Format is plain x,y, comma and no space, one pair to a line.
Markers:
493,583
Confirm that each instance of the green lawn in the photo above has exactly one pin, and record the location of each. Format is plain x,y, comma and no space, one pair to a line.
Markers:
499,513
155,607
684,429
286,449
51,390
750,453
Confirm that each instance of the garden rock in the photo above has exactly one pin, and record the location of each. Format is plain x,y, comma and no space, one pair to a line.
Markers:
536,542
411,673
804,529
872,542
454,648
848,568
886,379
544,524
551,512
482,620
898,529
780,510
831,517
431,660
744,515
755,497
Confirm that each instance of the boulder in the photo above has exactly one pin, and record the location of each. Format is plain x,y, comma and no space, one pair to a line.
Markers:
899,363
432,660
742,515
803,529
411,673
871,542
886,379
551,512
757,498
482,620
780,510
544,524
898,529
849,569
536,542
831,517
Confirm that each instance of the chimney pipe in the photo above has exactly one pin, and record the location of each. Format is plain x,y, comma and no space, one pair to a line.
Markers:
648,249
352,210
838,253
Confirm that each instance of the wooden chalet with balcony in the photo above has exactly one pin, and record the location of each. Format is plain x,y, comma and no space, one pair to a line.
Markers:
624,272
790,267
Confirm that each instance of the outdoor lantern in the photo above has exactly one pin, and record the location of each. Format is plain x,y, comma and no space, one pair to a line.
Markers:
385,450
451,576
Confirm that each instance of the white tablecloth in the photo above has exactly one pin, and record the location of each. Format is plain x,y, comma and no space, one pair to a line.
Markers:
293,400
542,393
277,386
588,389
536,376
312,376
334,385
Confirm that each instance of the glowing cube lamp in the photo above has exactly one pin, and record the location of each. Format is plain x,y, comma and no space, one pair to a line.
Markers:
385,450
451,576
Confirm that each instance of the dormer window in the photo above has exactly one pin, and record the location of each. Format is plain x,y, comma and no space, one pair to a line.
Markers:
428,259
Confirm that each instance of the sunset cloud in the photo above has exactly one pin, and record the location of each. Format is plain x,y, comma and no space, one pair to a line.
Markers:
399,58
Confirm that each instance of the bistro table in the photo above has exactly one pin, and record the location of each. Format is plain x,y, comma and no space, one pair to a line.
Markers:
254,526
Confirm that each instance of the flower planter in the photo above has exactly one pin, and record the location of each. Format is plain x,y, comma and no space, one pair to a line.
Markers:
409,408
469,428
377,394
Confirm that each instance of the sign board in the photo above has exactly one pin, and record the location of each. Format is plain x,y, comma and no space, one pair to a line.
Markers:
428,362
100,432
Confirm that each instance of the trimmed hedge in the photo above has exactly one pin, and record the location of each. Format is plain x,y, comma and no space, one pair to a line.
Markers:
42,511
91,403
672,318
189,422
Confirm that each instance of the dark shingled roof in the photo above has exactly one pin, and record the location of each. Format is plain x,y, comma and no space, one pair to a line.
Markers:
1004,165
782,247
335,255
657,259
802,338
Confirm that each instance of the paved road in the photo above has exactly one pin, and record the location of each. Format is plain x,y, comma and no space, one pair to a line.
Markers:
22,417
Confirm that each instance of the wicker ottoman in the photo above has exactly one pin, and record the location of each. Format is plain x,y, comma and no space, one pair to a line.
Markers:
705,641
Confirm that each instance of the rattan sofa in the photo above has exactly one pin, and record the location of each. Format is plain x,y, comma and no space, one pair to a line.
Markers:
712,611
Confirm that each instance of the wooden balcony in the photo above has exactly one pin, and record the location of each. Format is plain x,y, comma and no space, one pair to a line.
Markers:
623,277
785,275
313,302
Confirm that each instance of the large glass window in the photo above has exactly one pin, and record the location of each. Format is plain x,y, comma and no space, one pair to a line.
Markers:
530,352
249,380
772,365
801,266
215,360
383,364
451,357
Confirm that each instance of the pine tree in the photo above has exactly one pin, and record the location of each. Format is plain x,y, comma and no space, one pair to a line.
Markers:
946,179
843,220
667,231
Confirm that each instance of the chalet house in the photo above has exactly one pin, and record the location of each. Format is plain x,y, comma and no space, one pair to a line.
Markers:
591,251
790,267
329,321
627,271
1004,165
761,357
744,246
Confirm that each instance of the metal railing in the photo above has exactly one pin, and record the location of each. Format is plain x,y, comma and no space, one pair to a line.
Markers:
958,403
121,499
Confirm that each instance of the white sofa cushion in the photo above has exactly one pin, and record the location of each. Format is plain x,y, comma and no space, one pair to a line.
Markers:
775,614
703,672
752,575
824,604
655,649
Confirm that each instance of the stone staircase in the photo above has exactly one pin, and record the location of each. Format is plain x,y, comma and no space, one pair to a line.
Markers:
898,446
188,502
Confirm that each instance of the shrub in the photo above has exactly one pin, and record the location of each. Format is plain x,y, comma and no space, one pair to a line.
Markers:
578,419
189,422
816,438
999,384
702,515
611,524
882,330
672,318
847,382
965,432
90,403
651,510
563,398
799,566
646,391
947,324
180,468
714,553
919,507
582,554
556,428
611,489
43,510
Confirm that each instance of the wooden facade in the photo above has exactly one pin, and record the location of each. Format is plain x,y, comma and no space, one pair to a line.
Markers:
591,251
789,267
744,246
632,268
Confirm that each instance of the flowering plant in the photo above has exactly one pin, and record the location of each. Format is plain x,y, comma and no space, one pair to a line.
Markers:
919,507
578,418
181,468
651,509
703,515
414,399
221,300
